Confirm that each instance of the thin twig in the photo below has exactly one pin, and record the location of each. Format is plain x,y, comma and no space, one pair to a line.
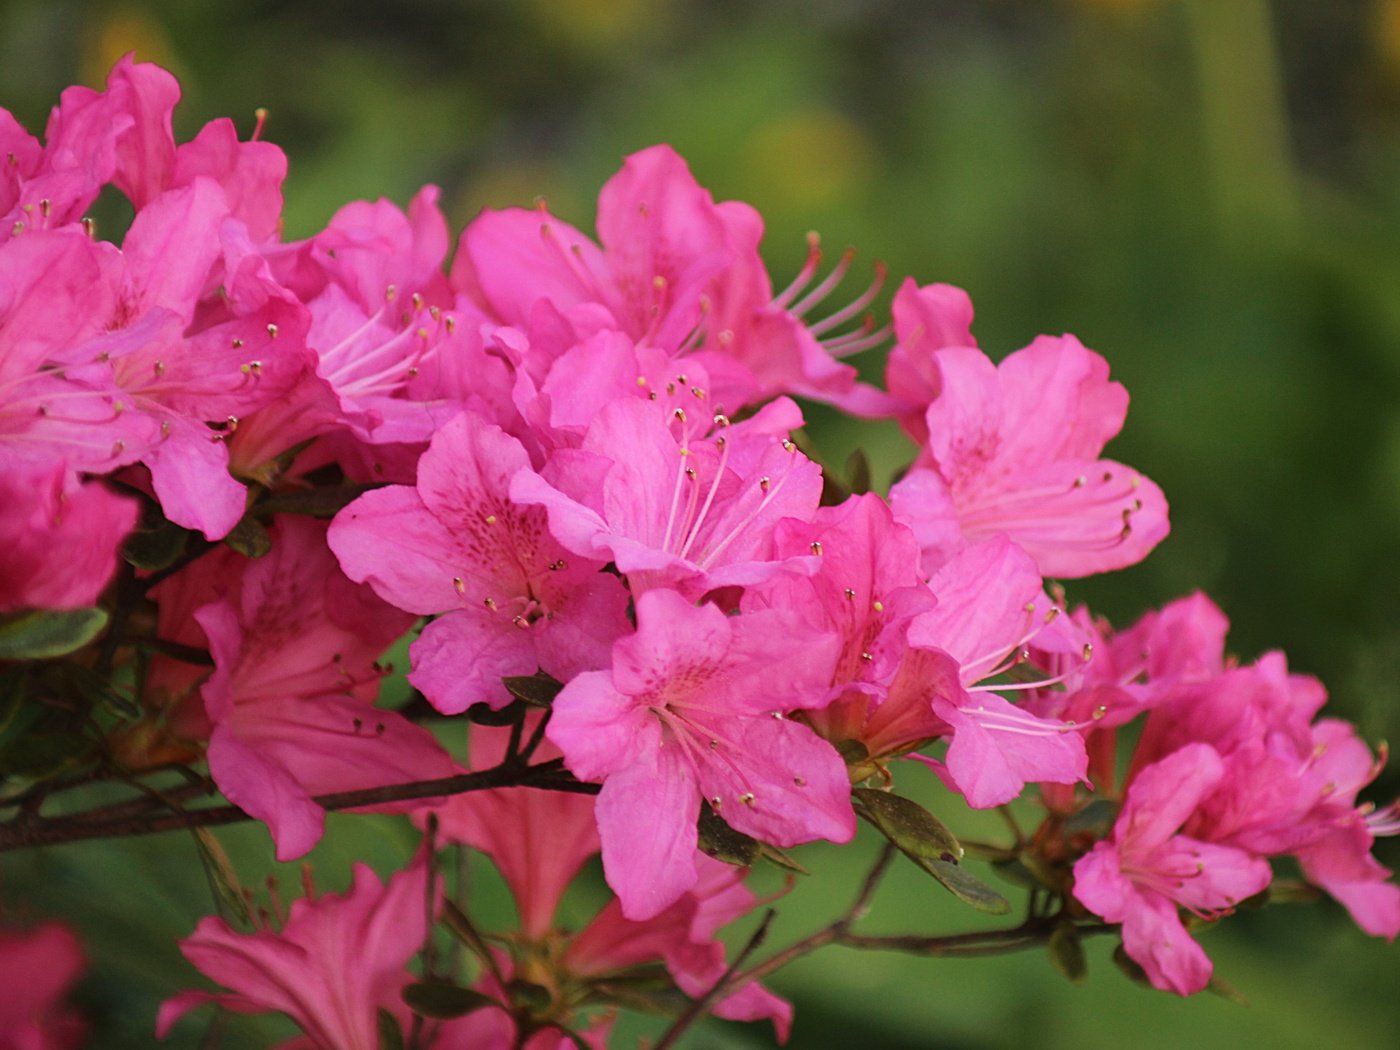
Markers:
698,1006
118,821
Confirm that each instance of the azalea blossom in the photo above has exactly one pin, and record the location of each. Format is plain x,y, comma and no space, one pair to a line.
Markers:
693,707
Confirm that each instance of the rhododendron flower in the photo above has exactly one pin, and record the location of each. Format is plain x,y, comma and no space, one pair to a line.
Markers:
337,961
37,970
290,699
676,502
676,271
1148,869
515,599
693,706
926,320
990,604
1013,450
540,839
58,538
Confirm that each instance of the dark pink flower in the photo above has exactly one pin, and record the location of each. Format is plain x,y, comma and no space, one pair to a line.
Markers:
58,538
1014,450
37,970
673,500
693,707
515,599
291,697
1148,869
338,960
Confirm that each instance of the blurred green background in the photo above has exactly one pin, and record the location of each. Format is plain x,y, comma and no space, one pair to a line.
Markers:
1205,191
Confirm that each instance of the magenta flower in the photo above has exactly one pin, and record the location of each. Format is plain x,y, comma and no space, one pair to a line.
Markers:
1147,870
674,501
1013,450
58,539
515,599
291,697
990,605
693,707
338,960
675,271
37,970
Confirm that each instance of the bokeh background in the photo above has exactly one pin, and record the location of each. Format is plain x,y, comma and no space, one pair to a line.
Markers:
1205,191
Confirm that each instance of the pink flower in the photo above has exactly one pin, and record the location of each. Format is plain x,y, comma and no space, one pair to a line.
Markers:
540,839
37,970
1148,869
338,960
58,539
990,604
290,700
514,598
693,706
675,271
926,321
1013,450
673,500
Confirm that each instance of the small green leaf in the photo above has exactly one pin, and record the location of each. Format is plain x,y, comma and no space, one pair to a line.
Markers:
908,825
858,472
484,715
537,690
443,1001
719,840
1130,967
41,755
966,887
390,1034
156,548
465,931
1225,990
249,538
1067,953
922,838
1096,818
44,634
222,876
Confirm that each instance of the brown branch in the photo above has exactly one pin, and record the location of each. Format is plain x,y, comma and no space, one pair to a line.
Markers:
133,818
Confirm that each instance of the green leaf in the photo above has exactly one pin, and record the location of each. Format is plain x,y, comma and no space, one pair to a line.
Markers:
1067,953
966,887
465,931
922,838
41,755
315,503
1129,967
44,634
1225,990
1096,818
156,548
908,825
537,690
719,840
249,538
858,472
443,1001
223,878
390,1034
484,715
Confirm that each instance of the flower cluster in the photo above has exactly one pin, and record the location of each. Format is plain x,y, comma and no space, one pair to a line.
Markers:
580,460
